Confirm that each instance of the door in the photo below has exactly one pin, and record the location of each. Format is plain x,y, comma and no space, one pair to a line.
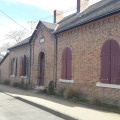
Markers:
42,69
110,63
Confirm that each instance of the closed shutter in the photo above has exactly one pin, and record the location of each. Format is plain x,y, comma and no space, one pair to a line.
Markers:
105,63
69,64
10,67
115,62
16,68
24,65
21,67
64,64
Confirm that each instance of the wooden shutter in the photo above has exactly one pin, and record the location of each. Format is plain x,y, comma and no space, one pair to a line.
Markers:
21,67
10,67
64,64
69,64
16,68
24,65
105,63
115,62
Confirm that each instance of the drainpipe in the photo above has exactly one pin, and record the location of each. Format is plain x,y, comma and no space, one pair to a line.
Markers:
29,62
55,61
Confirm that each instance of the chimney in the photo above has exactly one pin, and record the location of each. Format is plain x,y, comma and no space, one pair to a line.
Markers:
78,6
58,15
81,5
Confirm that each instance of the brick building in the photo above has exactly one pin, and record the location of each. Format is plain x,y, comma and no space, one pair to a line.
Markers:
80,50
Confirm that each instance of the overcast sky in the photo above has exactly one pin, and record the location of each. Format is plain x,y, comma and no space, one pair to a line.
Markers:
23,11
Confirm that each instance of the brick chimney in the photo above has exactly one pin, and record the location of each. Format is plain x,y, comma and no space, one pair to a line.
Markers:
81,5
58,15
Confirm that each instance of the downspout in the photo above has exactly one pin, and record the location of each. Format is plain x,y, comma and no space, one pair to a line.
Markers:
55,61
29,61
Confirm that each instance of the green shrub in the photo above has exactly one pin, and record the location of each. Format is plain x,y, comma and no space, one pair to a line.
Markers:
51,88
61,92
16,84
6,82
74,99
82,99
71,92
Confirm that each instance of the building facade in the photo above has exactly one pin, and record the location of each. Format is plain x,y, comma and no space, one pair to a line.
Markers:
81,50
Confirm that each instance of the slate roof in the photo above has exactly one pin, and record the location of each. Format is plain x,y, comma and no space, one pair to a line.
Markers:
23,42
50,26
96,11
4,58
93,12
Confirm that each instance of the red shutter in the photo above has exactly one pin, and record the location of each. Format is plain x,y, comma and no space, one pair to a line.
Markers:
105,63
64,64
10,67
69,64
16,68
21,66
115,62
24,65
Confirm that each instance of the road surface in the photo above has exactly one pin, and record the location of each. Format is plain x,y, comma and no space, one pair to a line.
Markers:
14,109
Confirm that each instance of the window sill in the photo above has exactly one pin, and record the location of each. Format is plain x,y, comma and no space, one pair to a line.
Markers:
66,81
23,76
99,84
12,75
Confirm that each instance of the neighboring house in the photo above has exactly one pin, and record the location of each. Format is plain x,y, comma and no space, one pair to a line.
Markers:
81,50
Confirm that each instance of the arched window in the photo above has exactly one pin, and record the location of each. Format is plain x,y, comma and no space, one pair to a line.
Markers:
110,62
66,64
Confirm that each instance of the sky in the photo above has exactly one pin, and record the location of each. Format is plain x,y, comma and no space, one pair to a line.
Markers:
25,11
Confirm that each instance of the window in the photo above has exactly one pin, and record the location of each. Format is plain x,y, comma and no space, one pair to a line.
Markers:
66,64
23,66
110,62
16,68
12,67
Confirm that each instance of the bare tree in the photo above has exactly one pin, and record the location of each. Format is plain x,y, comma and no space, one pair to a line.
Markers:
17,35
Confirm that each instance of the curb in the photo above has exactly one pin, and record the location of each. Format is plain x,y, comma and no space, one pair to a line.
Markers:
61,115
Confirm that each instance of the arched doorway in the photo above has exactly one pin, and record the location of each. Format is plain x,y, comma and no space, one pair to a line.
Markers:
110,62
42,69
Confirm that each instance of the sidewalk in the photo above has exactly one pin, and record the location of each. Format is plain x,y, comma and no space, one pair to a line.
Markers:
77,111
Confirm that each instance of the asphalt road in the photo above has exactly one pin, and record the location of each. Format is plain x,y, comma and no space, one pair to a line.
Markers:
14,109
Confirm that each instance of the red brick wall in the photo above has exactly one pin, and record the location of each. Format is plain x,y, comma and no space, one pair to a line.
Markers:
18,53
86,42
48,48
4,70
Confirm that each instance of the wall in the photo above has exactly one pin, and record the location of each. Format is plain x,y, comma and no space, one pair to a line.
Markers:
48,48
86,42
18,53
4,70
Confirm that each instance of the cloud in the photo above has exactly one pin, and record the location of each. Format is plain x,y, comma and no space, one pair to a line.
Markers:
49,5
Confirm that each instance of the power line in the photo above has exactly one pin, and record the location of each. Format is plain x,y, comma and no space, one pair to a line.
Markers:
71,9
14,20
47,17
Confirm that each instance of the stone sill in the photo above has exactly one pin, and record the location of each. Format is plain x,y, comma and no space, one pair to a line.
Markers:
99,84
12,75
24,77
66,81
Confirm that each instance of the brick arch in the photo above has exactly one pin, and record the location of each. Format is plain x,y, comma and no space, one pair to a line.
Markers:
110,62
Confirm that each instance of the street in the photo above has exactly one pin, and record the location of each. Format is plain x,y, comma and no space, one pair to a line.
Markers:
13,109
